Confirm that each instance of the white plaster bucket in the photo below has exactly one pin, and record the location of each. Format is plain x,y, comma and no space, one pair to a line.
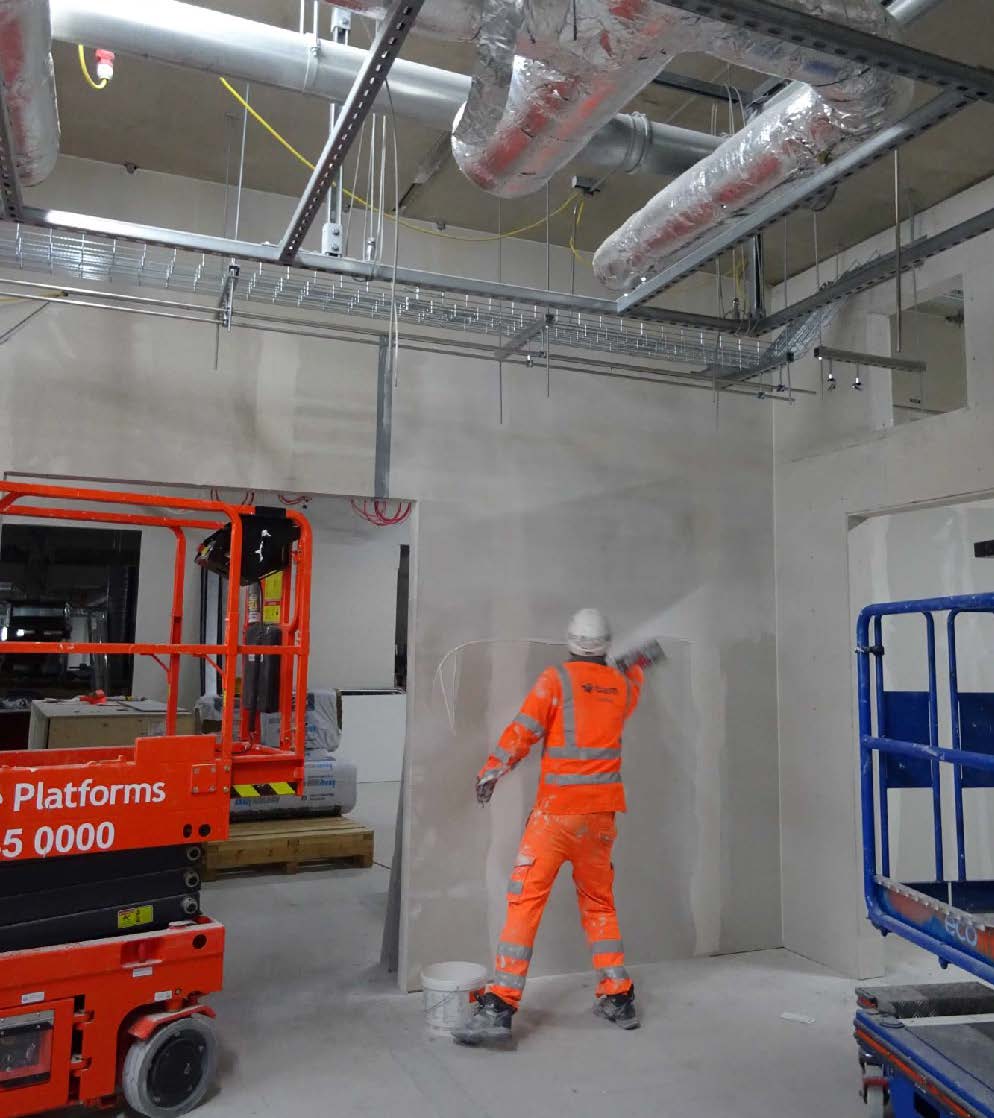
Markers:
450,991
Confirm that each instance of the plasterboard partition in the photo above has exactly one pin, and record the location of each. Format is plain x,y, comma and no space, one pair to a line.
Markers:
636,503
625,495
838,456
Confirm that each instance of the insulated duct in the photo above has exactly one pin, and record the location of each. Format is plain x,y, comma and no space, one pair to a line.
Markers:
28,76
577,62
801,129
198,38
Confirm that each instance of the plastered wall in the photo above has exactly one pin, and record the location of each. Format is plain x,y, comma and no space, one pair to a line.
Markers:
628,496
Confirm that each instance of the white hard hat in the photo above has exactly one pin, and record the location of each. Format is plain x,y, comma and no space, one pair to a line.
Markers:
588,633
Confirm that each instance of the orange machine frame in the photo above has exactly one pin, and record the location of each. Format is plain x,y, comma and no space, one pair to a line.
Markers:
182,784
168,791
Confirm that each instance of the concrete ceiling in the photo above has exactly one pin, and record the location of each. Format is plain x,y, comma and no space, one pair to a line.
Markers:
164,119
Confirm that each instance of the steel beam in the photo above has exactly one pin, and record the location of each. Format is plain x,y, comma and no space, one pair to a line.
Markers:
873,360
883,269
773,18
712,90
389,38
520,338
11,203
794,195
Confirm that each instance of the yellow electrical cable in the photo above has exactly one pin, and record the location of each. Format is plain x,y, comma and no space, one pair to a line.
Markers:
102,84
576,226
259,119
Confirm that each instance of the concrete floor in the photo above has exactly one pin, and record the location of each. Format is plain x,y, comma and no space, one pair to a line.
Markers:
311,1024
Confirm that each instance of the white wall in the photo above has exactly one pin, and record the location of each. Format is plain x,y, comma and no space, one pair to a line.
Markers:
940,344
839,455
924,553
621,494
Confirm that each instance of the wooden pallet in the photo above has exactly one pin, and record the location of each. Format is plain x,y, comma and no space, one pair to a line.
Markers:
288,844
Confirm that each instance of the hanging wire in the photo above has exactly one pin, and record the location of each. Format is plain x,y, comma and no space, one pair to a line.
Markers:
377,512
359,200
355,182
102,84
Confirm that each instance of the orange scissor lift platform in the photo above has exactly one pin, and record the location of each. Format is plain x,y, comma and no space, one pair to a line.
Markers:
105,956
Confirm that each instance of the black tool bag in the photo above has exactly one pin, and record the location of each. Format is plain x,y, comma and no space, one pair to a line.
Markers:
267,539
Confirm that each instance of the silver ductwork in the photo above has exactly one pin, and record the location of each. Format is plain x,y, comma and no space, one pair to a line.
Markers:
579,61
28,76
800,130
244,50
572,68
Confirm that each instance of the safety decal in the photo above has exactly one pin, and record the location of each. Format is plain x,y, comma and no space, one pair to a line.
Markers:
278,788
136,917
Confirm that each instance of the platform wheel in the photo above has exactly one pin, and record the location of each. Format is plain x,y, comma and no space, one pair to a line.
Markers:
877,1103
170,1073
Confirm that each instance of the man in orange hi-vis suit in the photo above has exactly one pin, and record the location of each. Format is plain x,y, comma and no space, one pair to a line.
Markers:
579,709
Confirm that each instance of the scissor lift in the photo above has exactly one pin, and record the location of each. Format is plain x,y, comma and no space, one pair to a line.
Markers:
926,1051
105,956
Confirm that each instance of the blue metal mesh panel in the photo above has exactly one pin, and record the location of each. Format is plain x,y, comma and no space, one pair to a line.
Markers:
976,714
906,719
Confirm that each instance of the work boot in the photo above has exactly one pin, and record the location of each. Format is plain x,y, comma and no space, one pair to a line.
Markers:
490,1023
619,1009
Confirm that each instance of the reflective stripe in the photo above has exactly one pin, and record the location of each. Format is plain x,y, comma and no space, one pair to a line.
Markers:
511,981
617,973
530,724
568,748
581,778
610,753
515,887
607,947
501,754
514,951
491,772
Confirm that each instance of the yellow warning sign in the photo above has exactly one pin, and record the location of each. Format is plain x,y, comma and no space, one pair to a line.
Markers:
135,917
272,598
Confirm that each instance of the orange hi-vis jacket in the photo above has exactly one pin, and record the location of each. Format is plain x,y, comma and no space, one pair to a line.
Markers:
580,709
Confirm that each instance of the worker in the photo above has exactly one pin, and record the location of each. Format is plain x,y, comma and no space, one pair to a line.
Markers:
579,708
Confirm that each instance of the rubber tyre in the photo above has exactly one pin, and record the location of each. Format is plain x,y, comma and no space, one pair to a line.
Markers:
877,1104
170,1073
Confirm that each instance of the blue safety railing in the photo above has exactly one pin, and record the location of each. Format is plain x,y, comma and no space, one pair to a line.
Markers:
947,916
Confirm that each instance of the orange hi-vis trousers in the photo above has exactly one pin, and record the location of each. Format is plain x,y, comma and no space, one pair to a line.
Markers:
548,841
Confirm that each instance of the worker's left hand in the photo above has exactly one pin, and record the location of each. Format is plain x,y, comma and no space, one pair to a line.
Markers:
485,786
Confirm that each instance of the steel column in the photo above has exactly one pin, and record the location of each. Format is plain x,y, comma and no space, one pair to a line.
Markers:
384,419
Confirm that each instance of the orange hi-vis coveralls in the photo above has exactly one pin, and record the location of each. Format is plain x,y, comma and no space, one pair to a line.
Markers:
580,709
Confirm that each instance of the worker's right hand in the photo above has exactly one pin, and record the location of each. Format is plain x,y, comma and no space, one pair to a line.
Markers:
485,786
